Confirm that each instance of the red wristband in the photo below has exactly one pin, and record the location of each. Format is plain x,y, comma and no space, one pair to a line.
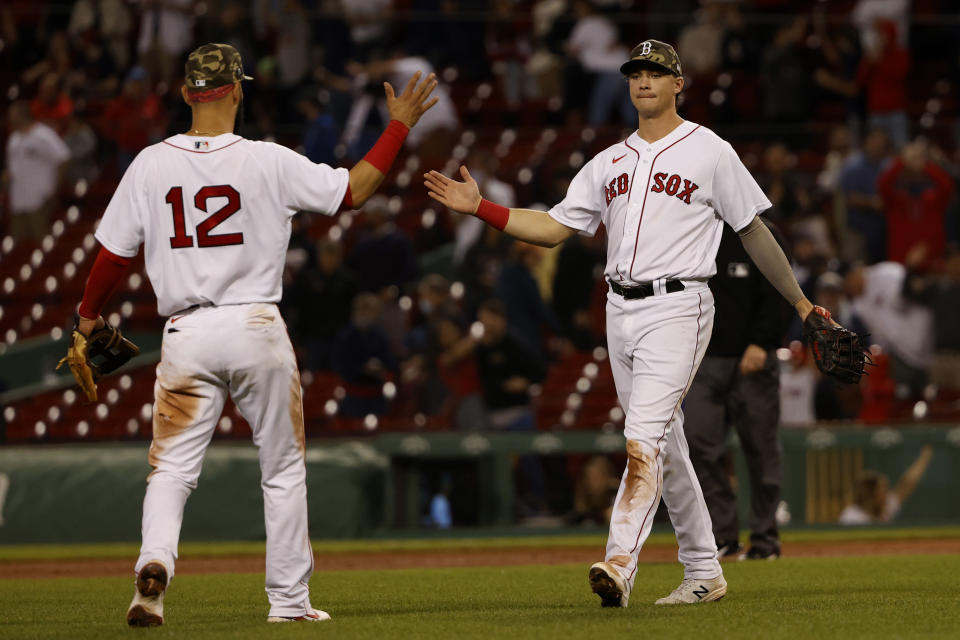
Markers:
493,214
105,275
385,151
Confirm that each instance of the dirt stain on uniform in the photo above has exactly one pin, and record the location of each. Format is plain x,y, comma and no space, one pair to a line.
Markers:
620,561
296,412
176,408
640,485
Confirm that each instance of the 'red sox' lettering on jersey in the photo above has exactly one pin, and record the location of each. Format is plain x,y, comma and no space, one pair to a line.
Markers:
670,184
619,186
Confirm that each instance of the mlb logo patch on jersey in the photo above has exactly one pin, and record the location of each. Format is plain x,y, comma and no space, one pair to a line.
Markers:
201,145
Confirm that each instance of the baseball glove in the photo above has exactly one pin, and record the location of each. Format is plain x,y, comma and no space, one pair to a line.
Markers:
91,357
838,352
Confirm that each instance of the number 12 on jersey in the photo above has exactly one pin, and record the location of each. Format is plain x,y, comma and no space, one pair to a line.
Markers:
181,240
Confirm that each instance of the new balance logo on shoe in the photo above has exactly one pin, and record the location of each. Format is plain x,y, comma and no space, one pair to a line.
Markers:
702,591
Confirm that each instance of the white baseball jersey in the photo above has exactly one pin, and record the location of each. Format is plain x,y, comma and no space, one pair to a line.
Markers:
663,203
214,216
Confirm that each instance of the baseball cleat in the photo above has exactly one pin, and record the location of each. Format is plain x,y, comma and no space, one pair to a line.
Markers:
315,615
696,591
729,549
146,610
606,582
755,553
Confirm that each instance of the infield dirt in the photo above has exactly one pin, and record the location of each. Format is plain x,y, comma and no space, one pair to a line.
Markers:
452,557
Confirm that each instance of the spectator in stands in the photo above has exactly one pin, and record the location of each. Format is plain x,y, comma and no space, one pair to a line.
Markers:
507,369
455,367
369,23
903,328
134,119
81,140
166,31
528,316
883,75
940,292
481,268
594,493
57,61
383,255
866,224
916,193
469,229
784,74
792,204
839,152
321,134
575,286
508,46
596,55
319,301
106,22
440,124
874,502
798,380
35,164
52,106
361,355
699,43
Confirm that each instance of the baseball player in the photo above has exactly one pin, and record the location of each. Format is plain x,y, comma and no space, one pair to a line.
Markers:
663,195
213,212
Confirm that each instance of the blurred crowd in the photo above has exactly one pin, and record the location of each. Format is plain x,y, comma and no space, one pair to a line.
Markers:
842,110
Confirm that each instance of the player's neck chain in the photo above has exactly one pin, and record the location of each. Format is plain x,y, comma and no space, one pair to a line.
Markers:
197,132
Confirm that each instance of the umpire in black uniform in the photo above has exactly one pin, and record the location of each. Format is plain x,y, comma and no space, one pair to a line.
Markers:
738,385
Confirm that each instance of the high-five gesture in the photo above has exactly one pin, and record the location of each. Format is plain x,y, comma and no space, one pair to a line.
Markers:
462,197
412,103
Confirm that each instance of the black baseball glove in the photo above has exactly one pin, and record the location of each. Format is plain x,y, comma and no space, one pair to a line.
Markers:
91,357
838,352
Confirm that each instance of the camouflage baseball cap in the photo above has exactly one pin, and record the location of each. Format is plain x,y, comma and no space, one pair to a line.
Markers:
213,65
655,52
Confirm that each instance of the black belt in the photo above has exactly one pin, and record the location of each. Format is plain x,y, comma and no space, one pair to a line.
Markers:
644,289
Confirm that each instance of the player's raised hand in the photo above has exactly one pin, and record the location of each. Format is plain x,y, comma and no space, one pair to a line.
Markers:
463,197
413,102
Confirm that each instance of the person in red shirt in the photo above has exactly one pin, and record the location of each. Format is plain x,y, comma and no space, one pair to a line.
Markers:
915,194
52,106
133,119
882,74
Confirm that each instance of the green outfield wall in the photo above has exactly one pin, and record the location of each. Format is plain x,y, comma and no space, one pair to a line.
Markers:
92,493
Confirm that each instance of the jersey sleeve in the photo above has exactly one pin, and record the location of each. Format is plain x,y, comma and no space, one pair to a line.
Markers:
306,186
121,228
580,209
736,195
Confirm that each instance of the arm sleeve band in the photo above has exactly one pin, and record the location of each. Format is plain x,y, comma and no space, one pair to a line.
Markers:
105,275
493,214
770,259
347,199
385,151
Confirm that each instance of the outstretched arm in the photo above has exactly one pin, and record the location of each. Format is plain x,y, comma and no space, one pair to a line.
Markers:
529,225
763,249
405,111
908,481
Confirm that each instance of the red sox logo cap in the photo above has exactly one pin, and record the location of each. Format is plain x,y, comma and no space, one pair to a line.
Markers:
652,52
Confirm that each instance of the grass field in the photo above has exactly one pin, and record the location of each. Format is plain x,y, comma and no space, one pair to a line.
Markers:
854,597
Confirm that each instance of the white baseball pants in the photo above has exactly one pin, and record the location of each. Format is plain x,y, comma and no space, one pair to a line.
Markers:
656,345
244,351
